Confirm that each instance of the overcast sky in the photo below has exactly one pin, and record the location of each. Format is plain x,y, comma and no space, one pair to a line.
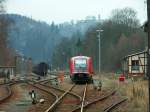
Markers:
65,10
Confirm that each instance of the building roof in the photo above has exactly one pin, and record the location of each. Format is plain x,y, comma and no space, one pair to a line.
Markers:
76,57
145,51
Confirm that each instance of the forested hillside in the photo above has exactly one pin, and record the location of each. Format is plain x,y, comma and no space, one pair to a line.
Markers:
37,39
31,38
122,35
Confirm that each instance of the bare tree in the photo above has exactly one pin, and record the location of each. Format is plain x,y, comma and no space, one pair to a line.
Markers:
125,16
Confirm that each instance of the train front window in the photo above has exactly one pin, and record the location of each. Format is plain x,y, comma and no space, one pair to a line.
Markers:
80,64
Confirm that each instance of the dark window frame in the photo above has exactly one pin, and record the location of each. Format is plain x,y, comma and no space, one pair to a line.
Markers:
135,65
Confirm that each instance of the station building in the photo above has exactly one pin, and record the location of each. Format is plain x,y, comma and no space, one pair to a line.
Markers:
135,64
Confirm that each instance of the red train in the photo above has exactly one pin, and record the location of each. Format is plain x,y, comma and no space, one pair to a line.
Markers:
81,69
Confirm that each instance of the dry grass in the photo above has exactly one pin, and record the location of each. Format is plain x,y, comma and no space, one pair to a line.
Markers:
137,94
136,91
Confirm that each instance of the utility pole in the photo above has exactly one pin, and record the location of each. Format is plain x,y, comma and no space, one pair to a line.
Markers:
99,40
78,45
148,59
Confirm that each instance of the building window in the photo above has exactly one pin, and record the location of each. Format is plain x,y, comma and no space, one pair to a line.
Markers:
135,64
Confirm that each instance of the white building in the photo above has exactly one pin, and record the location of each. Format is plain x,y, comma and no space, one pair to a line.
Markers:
135,64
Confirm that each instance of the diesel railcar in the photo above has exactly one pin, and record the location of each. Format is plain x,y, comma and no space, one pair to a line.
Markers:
81,69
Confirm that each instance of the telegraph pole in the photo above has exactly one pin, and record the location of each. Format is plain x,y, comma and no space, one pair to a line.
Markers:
99,40
148,55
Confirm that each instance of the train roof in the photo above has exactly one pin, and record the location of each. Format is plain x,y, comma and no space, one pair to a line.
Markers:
75,57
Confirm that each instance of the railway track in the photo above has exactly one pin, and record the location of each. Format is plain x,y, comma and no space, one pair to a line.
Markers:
94,101
58,101
67,97
107,106
86,104
57,93
11,93
60,93
41,81
61,104
53,99
7,94
62,90
68,100
83,99
7,87
42,88
114,105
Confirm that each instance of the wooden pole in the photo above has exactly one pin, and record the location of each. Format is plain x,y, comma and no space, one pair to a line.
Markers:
148,59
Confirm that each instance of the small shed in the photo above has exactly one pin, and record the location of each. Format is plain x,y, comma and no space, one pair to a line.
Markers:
135,64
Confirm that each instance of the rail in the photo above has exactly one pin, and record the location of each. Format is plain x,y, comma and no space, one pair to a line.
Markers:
47,91
96,100
71,93
8,89
59,99
111,107
9,92
83,99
